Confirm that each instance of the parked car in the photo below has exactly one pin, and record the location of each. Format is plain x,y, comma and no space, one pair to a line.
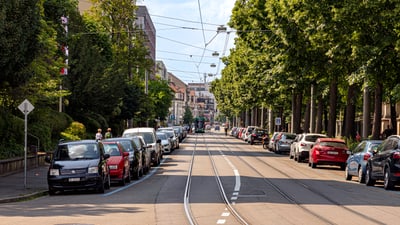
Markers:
152,142
78,165
271,145
118,163
146,152
166,142
384,164
135,155
180,131
174,138
247,132
303,146
257,135
293,146
329,151
357,161
283,142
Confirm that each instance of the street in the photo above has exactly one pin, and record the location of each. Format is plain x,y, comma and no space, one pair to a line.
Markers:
218,179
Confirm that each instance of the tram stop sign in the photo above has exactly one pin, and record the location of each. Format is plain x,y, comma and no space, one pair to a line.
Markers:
26,107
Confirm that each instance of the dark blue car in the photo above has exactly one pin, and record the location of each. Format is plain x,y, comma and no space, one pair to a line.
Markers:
356,163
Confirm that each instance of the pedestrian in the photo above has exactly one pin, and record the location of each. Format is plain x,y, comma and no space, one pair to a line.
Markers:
358,137
226,130
108,134
99,135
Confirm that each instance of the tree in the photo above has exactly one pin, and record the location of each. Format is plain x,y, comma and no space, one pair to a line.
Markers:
188,116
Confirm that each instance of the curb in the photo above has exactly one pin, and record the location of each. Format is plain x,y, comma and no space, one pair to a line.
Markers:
24,197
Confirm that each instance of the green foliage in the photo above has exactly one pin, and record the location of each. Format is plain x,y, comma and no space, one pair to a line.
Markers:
76,131
188,116
11,135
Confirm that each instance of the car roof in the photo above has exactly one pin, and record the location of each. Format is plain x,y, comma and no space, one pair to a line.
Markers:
86,141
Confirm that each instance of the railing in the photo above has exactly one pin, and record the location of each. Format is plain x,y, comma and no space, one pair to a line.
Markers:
10,166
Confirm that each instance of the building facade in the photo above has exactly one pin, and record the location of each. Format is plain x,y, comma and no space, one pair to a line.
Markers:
177,109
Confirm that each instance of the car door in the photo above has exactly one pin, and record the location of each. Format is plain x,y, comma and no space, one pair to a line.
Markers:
379,159
356,157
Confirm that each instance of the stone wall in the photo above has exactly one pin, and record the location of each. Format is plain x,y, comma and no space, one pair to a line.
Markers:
9,166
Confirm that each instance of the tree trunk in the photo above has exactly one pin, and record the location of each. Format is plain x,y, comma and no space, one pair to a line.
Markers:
376,129
297,100
349,128
332,107
393,114
320,110
306,126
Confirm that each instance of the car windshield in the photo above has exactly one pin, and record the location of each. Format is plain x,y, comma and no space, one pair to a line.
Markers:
77,151
261,131
128,145
312,138
112,149
147,136
162,136
333,144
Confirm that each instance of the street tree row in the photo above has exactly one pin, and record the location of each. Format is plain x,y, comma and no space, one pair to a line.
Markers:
313,61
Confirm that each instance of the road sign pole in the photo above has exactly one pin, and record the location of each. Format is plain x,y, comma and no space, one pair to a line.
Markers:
26,107
25,149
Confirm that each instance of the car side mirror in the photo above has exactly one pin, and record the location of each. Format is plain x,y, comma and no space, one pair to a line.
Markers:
125,153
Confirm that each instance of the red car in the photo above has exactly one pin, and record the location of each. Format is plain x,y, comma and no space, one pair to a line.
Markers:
329,151
118,163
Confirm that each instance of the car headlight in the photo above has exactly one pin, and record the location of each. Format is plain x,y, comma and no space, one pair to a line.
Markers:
113,167
54,172
93,169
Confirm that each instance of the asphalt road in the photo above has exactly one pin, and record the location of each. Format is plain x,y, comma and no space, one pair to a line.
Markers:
263,188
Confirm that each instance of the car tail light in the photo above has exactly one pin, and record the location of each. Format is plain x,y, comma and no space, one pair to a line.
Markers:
254,135
396,155
366,156
303,144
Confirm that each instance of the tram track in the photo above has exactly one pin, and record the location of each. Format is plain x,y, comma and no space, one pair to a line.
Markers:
291,198
187,205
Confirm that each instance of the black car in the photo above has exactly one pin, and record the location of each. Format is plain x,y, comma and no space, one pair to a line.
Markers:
135,155
385,164
77,165
257,135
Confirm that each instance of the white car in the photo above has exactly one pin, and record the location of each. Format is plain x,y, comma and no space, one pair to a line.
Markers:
303,146
247,133
165,142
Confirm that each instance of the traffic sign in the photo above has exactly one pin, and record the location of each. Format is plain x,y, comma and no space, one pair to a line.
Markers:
278,121
26,107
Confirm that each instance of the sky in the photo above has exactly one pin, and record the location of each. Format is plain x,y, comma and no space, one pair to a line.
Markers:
187,36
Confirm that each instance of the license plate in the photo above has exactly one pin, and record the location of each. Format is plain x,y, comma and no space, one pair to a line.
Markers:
332,153
74,179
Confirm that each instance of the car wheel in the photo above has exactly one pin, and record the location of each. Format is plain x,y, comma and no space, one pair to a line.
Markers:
51,191
361,176
369,181
136,174
346,174
101,188
313,165
122,182
343,166
388,184
128,178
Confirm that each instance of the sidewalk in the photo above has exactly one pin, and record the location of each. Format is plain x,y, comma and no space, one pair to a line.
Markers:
12,187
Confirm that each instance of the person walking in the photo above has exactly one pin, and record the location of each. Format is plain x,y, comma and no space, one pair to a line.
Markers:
99,135
108,134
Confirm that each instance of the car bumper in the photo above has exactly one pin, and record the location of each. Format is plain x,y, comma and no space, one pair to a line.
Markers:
74,182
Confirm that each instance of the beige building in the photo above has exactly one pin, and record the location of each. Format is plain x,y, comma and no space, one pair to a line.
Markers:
177,109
